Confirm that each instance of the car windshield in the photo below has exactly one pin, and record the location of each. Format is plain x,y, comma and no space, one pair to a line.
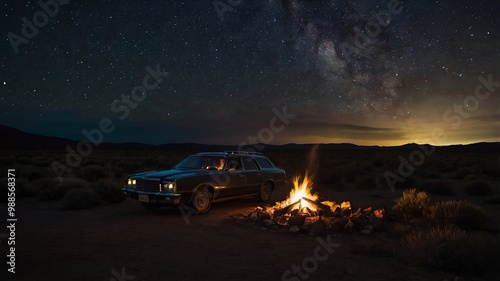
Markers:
202,162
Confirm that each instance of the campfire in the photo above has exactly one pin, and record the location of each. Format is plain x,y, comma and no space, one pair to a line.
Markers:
301,201
303,210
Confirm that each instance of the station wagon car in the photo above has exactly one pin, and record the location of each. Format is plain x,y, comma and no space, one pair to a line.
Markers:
207,177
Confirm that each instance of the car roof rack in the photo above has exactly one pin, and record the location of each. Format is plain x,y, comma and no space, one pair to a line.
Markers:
244,152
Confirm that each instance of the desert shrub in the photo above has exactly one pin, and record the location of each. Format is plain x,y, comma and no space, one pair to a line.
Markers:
92,172
478,188
57,191
463,172
436,186
81,198
150,162
463,214
412,203
453,249
110,189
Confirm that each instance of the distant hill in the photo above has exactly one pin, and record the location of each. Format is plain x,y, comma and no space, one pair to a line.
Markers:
14,138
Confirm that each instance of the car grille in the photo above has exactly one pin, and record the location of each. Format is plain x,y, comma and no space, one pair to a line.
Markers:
148,185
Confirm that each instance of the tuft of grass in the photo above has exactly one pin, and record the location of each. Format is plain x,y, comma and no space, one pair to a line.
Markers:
412,203
438,186
81,198
478,188
462,214
453,249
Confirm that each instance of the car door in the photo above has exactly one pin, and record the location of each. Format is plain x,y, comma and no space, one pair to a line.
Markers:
253,175
237,180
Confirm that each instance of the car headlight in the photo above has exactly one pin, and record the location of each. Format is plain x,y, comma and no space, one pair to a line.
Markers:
168,186
131,182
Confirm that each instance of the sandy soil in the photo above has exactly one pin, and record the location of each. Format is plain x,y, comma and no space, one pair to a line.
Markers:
125,238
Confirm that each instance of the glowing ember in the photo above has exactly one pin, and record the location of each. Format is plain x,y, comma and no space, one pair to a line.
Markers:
300,190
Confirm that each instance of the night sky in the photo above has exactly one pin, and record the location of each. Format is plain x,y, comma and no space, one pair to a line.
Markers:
272,71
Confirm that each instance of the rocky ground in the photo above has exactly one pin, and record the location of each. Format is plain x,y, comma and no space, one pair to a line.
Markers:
125,242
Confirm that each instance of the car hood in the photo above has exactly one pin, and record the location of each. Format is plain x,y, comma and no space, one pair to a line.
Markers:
170,174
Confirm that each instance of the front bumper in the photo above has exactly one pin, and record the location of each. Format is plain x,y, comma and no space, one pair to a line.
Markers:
162,198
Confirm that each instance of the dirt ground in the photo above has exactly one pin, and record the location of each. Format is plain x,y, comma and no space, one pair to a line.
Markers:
125,242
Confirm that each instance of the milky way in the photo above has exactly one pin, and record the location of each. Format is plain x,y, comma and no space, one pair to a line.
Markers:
367,72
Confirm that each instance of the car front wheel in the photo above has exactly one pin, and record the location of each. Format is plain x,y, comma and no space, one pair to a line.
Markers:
265,192
201,201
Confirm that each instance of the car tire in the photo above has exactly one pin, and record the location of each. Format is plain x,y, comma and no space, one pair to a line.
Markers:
201,201
265,192
151,207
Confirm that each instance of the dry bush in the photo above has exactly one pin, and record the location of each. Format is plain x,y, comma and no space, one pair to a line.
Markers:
463,214
57,191
461,173
92,172
478,188
412,203
110,189
81,198
453,249
437,186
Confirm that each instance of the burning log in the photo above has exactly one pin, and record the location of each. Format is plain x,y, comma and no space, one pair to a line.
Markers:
287,209
318,205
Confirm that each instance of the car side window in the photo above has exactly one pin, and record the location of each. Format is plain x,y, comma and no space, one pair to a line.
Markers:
249,164
264,162
234,164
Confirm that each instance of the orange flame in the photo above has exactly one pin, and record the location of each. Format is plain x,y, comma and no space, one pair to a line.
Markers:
300,189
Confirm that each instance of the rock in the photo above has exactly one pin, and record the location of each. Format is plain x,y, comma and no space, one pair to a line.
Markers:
268,222
297,220
359,222
263,215
369,229
379,214
357,213
254,215
318,227
349,225
294,229
339,225
345,208
379,225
